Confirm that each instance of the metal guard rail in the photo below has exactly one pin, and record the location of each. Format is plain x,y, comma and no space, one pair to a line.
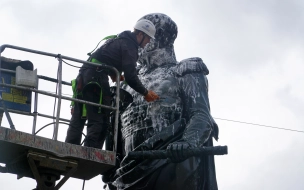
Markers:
60,82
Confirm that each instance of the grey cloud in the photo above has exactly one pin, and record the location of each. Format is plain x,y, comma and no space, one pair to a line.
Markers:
52,18
245,35
282,170
286,17
292,103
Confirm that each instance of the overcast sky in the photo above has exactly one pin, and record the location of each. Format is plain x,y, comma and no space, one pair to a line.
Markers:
253,49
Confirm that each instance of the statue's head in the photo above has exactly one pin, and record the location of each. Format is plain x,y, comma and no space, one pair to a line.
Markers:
161,50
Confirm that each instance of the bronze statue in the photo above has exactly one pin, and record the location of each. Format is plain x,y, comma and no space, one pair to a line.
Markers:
180,120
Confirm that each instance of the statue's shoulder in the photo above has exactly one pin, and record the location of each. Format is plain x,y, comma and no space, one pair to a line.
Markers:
191,65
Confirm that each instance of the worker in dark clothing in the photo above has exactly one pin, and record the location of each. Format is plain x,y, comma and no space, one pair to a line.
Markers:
122,53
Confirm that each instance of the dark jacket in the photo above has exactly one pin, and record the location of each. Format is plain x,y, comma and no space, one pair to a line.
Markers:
122,53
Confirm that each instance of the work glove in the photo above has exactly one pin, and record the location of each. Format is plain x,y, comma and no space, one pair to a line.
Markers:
113,77
151,96
176,151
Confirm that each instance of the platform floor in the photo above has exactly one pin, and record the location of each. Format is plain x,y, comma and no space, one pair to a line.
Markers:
14,146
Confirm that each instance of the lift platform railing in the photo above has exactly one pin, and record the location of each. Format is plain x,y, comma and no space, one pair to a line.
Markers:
59,95
35,112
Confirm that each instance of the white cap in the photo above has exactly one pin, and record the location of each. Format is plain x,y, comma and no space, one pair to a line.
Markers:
146,26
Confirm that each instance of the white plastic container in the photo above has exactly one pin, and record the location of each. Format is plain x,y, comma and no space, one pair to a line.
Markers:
26,77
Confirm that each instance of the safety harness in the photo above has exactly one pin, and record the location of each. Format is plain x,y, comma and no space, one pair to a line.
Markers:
77,85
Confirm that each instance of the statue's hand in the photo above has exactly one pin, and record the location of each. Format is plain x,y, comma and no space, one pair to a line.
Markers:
176,152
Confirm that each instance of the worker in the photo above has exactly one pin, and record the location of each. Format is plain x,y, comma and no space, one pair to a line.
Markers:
122,53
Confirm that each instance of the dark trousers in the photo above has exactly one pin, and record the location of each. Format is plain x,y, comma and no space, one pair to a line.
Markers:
98,121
